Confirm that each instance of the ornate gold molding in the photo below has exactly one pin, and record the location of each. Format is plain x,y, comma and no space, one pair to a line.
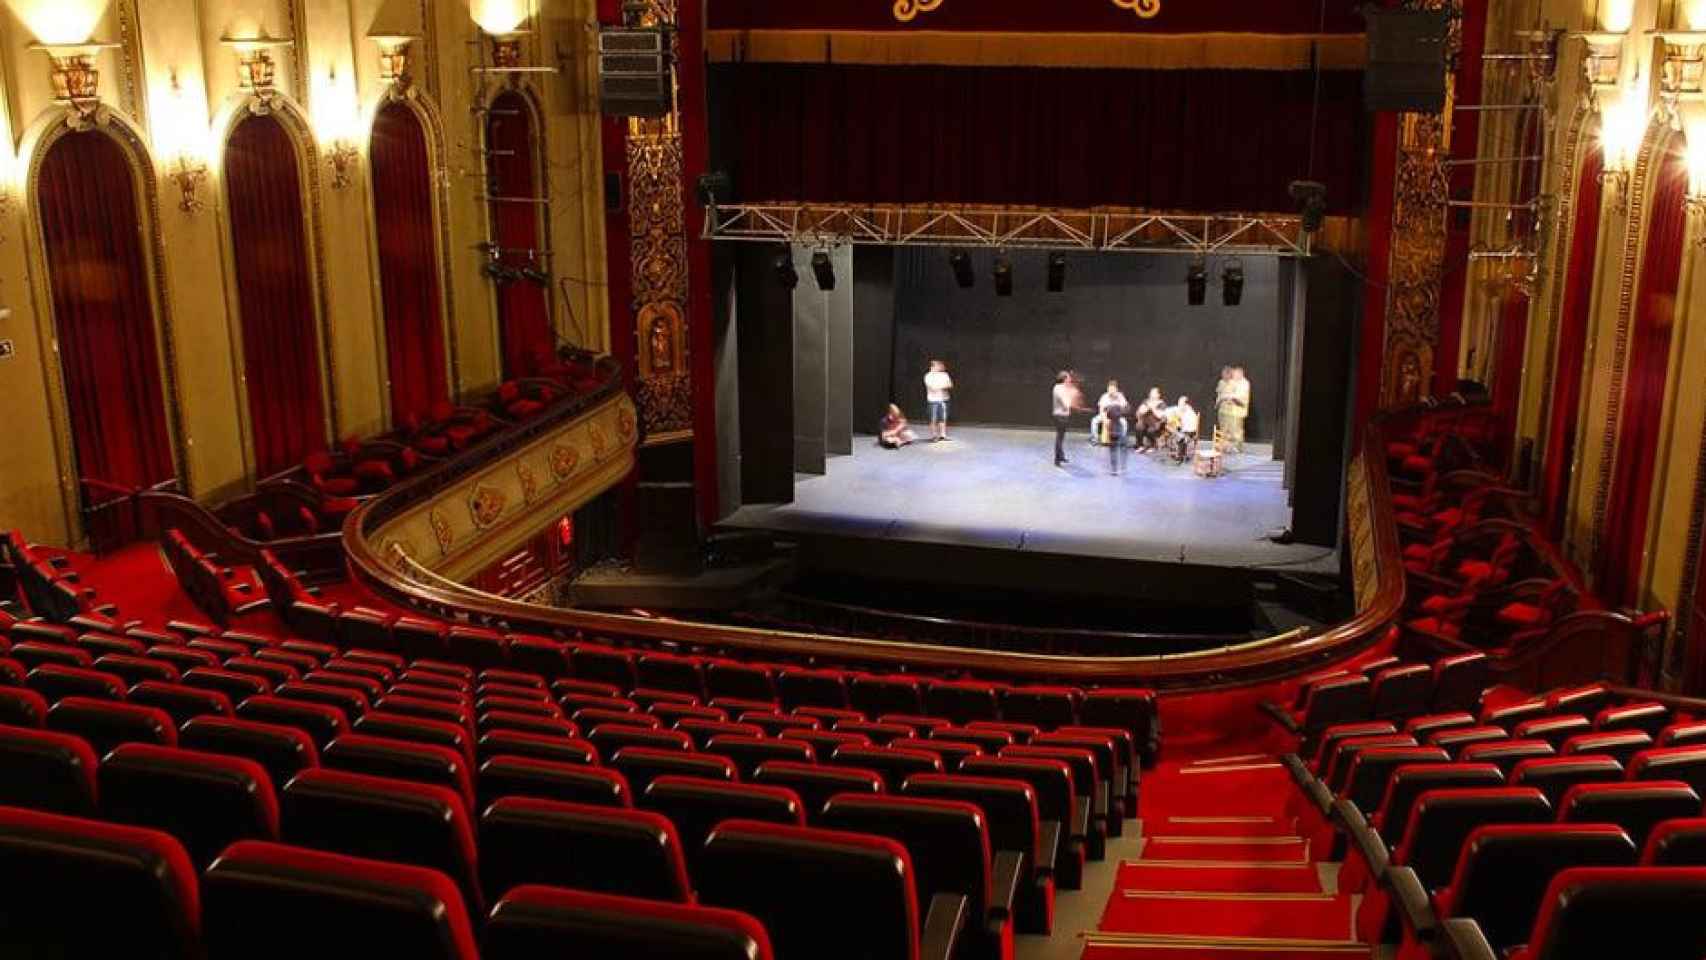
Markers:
908,10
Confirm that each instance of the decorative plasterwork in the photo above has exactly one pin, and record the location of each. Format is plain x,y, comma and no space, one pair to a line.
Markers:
906,11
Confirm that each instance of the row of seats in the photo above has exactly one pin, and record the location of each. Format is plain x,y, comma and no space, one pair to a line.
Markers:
223,592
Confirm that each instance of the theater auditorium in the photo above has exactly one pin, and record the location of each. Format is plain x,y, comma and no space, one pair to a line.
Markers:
853,479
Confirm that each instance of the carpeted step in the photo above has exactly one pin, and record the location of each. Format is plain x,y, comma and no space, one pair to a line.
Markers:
1217,876
1223,826
1103,947
1249,788
1283,916
1207,847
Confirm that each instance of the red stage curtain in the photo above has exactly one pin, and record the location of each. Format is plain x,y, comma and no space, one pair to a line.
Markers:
275,292
1644,392
524,316
1196,140
1025,16
1572,344
408,262
98,272
1507,369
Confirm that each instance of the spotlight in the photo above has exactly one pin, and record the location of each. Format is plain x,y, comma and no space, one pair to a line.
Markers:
1232,282
714,186
1311,198
824,270
786,275
1196,283
1003,275
1056,272
961,262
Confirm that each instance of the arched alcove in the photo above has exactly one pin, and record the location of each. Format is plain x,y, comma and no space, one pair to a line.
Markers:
1645,380
524,311
275,293
408,261
99,271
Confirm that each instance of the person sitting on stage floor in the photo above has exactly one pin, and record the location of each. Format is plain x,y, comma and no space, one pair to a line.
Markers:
1150,417
1185,433
1100,431
894,433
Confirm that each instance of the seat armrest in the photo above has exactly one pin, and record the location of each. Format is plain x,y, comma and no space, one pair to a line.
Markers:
259,603
1368,843
1004,881
1467,941
1048,845
1319,795
1279,715
1099,808
1081,817
942,927
1413,901
1299,771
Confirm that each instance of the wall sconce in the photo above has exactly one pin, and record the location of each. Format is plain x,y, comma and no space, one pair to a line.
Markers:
1622,125
188,174
342,156
394,56
506,49
255,67
76,82
501,21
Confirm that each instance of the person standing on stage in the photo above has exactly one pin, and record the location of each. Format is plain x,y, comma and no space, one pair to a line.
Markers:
1151,414
1067,400
1241,394
1189,423
1231,406
1111,411
937,386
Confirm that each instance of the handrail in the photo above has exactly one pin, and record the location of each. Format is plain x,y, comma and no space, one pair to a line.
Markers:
1284,655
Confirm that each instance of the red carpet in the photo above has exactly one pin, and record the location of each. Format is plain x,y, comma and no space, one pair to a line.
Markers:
1223,873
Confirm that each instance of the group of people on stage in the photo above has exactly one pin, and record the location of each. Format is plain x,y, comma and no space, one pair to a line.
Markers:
1153,424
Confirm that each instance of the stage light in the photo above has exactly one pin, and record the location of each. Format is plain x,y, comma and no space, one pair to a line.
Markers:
716,186
961,262
1003,275
786,275
1311,198
824,271
1196,283
1232,282
1056,272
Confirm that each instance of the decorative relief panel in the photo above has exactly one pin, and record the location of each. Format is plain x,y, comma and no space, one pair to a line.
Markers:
1359,519
490,511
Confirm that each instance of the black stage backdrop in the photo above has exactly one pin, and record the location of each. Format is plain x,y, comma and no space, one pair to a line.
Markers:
1198,140
1121,315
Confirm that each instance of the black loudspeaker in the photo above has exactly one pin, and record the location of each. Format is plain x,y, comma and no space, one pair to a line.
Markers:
633,72
613,191
669,529
1329,330
1406,60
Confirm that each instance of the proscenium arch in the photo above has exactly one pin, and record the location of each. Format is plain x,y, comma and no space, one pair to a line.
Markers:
426,117
523,94
294,120
39,139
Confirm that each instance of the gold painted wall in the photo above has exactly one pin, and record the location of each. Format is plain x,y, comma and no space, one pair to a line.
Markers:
1638,112
173,83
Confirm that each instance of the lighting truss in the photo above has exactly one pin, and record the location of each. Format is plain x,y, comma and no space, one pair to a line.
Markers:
1109,230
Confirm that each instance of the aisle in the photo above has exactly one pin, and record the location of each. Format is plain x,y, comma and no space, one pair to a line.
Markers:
1222,874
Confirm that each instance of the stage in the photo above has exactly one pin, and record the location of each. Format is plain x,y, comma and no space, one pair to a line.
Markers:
995,488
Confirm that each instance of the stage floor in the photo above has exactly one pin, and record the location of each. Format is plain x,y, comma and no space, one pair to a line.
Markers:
996,487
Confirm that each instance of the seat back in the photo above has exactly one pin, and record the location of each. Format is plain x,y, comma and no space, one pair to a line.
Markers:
1009,808
1057,797
1648,718
876,695
22,708
1401,691
1334,700
273,902
402,760
748,752
947,840
1371,771
1442,819
695,805
1506,753
1459,681
1554,776
1130,709
367,816
206,800
643,764
1504,870
1345,752
532,922
1407,784
962,701
1620,745
280,750
320,722
105,723
819,893
816,784
599,848
1637,807
1329,739
508,775
1687,764
83,888
1554,730
1598,912
47,771
1047,707
521,743
893,763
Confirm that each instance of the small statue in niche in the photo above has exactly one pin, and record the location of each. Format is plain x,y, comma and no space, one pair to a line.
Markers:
663,359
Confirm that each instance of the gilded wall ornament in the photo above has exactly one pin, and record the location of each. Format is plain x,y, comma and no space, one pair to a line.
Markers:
563,462
529,481
441,532
486,504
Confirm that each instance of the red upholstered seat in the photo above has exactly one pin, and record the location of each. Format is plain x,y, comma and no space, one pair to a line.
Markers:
535,921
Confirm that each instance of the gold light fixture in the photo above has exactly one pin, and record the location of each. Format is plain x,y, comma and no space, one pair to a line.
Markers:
506,49
342,156
71,66
1622,125
255,67
188,175
393,56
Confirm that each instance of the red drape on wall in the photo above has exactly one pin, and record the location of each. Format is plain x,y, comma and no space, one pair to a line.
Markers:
103,314
1561,422
1644,393
524,316
1163,139
281,357
408,262
1507,369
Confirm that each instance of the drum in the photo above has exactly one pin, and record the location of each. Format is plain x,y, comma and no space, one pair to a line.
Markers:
1209,462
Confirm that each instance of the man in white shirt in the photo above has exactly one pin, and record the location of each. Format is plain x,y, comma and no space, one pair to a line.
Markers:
1067,399
937,386
1189,423
1112,398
